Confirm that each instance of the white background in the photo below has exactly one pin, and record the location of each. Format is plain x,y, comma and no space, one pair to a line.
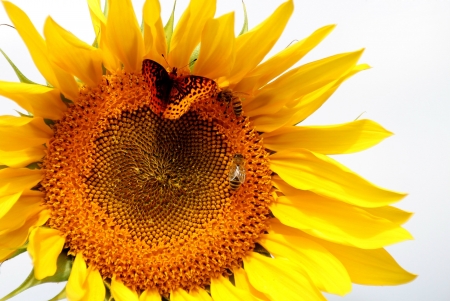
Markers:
408,91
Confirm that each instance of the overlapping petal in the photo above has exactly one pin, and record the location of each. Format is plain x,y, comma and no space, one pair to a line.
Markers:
150,295
22,158
188,32
73,55
38,50
122,293
320,174
22,132
327,273
299,82
280,62
242,282
182,295
12,240
39,100
337,221
19,179
223,290
154,36
84,284
110,61
264,36
279,279
44,247
217,48
124,36
332,139
20,207
369,267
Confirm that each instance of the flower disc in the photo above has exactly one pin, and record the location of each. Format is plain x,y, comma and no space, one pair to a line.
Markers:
147,199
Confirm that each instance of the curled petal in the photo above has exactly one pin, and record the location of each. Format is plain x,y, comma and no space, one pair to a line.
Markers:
44,247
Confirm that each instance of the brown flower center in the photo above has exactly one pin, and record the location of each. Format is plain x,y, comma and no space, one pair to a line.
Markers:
147,199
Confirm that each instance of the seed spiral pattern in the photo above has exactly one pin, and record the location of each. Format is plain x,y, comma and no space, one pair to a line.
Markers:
146,199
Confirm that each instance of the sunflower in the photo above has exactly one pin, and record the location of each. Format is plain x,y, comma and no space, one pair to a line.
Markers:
161,163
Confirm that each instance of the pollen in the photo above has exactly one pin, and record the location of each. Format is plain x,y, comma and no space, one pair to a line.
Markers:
147,199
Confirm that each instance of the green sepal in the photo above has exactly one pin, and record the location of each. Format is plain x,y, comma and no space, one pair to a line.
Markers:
19,250
64,266
24,115
245,25
34,165
3,167
67,101
194,57
168,28
22,78
49,122
261,250
62,295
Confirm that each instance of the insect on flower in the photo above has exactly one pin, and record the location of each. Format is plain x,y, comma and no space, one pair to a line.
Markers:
237,172
228,96
175,93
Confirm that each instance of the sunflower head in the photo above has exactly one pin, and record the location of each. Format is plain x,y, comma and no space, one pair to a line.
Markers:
165,163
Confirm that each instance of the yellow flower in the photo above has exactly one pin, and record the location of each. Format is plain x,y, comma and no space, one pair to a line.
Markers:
109,184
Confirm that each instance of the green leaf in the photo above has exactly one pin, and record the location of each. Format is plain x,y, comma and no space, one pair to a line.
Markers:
60,296
22,78
168,29
245,25
3,167
194,57
24,115
34,165
64,266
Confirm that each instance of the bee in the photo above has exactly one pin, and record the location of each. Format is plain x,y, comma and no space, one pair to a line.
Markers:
237,172
228,96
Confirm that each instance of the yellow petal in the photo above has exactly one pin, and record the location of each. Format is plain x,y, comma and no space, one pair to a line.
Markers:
182,295
22,132
188,32
124,36
110,61
95,289
73,55
242,282
320,174
28,205
122,293
300,81
314,100
44,247
336,221
279,279
38,50
7,201
282,61
217,48
327,273
97,17
253,46
271,122
369,267
39,100
393,214
75,288
22,158
330,139
150,295
223,290
154,36
12,240
19,179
